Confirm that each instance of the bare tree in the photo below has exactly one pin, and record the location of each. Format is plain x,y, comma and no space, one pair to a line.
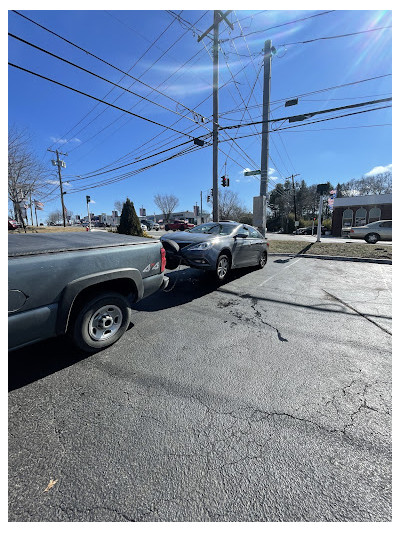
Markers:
166,203
230,207
26,174
118,206
376,184
55,217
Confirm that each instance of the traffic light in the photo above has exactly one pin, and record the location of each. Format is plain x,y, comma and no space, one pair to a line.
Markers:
208,198
223,181
87,199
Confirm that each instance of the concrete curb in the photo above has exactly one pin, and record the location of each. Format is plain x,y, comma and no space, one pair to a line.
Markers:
336,258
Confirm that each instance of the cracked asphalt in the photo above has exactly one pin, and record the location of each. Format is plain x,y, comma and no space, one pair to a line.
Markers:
267,398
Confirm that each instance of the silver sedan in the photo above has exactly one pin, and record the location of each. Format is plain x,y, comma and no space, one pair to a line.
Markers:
373,232
217,246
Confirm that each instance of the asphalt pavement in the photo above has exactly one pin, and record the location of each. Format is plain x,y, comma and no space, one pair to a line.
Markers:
265,399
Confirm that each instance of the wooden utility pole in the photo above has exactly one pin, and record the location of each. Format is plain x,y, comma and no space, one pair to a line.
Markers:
58,163
294,196
218,17
261,202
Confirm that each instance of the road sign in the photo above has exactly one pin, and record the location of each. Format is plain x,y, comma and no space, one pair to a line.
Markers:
252,172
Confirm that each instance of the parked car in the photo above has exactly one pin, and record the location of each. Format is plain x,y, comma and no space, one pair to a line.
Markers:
80,284
308,230
144,227
13,224
180,225
373,232
156,226
216,246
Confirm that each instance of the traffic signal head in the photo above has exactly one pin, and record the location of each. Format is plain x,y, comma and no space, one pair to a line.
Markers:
87,199
223,181
208,198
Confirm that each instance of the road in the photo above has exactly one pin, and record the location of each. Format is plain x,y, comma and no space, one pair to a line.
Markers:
264,399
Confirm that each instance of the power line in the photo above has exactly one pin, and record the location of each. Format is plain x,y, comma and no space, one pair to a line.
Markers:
335,36
98,76
98,58
305,116
316,121
98,99
281,25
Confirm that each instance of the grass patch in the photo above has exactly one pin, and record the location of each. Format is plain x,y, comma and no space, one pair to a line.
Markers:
368,251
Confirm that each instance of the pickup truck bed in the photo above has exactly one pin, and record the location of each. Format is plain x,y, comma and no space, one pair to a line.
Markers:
57,280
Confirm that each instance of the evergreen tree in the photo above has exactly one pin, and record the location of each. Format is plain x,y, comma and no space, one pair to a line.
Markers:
129,222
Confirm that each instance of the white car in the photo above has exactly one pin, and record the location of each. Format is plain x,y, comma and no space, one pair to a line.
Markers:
144,227
373,232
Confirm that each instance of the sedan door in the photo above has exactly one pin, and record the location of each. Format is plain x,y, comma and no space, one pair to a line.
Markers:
257,245
385,230
243,250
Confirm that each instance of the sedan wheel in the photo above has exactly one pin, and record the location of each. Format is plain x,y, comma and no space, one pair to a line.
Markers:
223,267
263,260
372,238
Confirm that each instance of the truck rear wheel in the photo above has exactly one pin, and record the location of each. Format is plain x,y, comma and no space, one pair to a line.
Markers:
101,322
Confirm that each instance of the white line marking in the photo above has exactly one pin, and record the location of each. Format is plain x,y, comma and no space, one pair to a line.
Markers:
291,264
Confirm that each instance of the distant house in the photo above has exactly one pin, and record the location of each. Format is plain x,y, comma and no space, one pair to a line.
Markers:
359,210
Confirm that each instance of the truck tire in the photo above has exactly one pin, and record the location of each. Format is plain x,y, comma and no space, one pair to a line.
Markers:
101,322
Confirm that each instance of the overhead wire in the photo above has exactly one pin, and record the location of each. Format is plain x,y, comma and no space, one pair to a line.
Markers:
95,98
98,76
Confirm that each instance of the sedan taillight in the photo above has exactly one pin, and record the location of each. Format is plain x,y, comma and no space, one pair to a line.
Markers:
351,231
163,259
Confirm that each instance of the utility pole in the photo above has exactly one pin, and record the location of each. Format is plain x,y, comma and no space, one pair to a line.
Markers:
218,17
201,207
294,197
260,202
60,164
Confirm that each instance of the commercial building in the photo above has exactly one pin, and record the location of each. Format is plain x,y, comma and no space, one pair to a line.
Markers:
360,210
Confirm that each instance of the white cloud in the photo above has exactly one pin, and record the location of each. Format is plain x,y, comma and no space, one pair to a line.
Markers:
53,182
64,141
379,170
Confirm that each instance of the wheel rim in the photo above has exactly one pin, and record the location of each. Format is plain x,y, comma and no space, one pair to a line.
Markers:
263,260
222,268
105,322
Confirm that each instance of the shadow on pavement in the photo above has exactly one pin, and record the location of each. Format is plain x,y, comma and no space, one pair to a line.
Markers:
42,359
39,360
186,285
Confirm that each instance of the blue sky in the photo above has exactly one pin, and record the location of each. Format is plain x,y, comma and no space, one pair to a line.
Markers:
163,53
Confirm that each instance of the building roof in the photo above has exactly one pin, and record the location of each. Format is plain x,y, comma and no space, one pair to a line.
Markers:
369,199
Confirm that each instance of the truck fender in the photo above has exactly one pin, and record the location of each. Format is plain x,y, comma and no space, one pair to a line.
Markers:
73,289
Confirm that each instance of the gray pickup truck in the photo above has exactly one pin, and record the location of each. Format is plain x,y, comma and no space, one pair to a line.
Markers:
80,284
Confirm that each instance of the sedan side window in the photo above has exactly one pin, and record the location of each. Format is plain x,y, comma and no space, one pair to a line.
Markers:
387,224
243,231
254,234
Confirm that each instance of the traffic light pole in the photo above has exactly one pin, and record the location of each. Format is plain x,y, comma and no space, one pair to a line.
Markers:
88,211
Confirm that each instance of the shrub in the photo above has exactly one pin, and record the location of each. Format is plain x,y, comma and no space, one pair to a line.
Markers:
129,222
